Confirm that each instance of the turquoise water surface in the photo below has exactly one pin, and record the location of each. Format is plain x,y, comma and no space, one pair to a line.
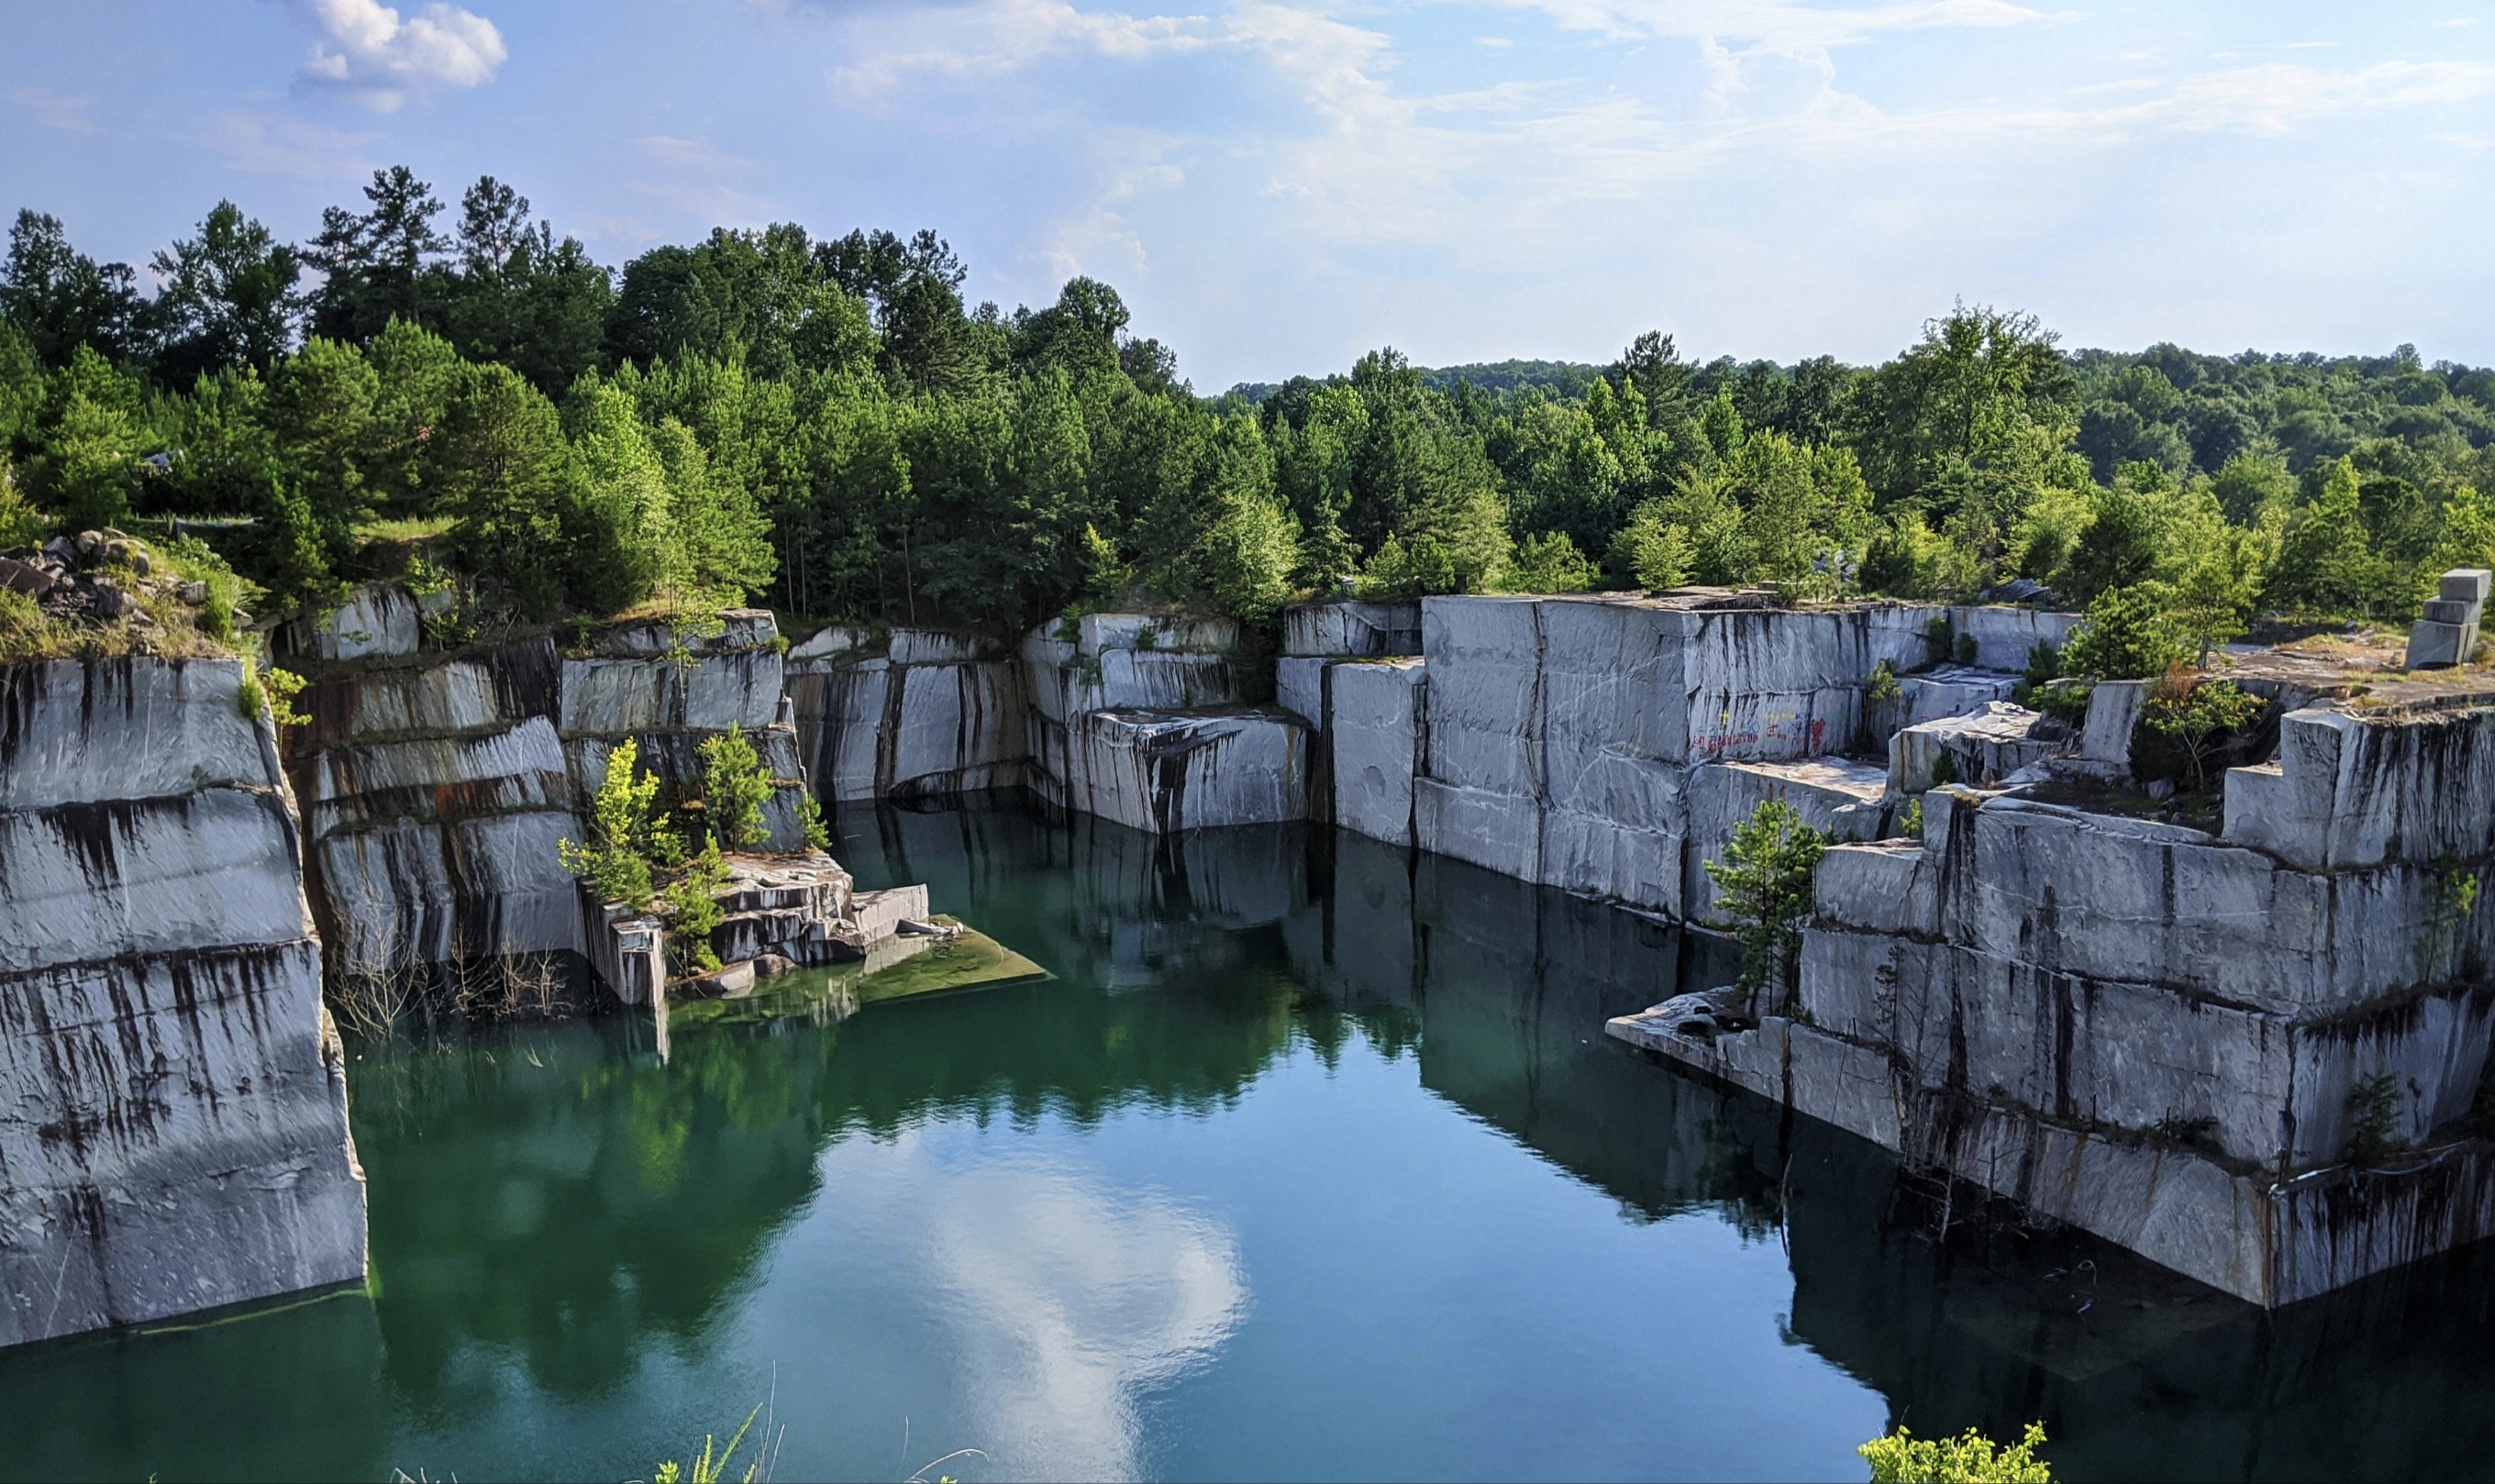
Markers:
1309,1160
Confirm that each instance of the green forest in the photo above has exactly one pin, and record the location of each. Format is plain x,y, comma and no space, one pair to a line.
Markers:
826,425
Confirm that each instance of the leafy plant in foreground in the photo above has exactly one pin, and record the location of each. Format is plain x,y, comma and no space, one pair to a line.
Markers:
1970,1458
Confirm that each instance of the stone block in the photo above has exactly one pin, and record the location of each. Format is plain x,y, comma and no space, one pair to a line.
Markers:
2006,637
372,622
1500,832
2466,585
126,728
2113,714
1883,887
1300,686
1376,732
2437,646
2352,791
1164,772
1101,633
1979,748
1352,629
164,875
1486,695
617,697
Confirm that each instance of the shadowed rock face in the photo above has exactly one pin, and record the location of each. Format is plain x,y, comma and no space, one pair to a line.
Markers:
173,1110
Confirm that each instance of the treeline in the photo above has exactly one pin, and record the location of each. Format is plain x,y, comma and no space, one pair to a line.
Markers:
827,425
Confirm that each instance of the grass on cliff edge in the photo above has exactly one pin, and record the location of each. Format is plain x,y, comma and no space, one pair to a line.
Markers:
176,631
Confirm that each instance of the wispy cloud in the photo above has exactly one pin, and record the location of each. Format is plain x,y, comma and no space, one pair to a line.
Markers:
64,112
274,145
367,54
693,176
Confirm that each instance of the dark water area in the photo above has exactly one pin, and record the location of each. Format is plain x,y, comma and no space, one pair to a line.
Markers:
1309,1161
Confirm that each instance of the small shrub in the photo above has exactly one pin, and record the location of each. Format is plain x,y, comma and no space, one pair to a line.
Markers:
1549,562
734,789
2064,700
1970,1458
2192,721
1148,637
693,912
273,692
2043,665
1765,880
1884,682
1937,633
1945,768
2123,637
623,823
1911,821
810,815
2372,1119
1966,649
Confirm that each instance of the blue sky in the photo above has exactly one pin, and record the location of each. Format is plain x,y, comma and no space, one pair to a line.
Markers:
1277,185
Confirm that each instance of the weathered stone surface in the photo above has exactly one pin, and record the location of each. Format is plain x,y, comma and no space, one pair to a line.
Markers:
679,639
1948,691
172,1115
498,688
2447,634
376,621
209,1161
2006,637
2351,791
929,716
1981,747
166,875
1380,712
1165,772
1500,832
616,697
1104,634
1356,629
1300,687
141,728
412,892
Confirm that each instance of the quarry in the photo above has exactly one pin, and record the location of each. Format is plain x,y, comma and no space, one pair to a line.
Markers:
2241,1029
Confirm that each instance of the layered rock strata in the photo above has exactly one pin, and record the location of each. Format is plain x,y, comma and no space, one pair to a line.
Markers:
173,1108
437,784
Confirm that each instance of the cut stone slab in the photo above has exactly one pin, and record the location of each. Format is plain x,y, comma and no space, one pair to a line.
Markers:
1981,747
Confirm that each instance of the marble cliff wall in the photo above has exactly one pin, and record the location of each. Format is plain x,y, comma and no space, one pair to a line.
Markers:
2161,1035
436,784
172,1107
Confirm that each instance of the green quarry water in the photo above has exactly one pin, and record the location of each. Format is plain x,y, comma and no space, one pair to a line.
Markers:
1306,1161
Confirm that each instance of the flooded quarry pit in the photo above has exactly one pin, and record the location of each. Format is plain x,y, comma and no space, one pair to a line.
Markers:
1127,1052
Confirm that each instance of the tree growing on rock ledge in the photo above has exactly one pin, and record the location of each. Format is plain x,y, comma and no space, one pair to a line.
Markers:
1765,884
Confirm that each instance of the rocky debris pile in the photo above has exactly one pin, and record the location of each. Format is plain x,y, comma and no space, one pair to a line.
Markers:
98,579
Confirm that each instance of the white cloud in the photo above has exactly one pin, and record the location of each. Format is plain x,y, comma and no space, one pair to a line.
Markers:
981,40
365,51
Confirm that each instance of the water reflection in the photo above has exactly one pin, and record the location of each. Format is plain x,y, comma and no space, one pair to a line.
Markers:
1060,1221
